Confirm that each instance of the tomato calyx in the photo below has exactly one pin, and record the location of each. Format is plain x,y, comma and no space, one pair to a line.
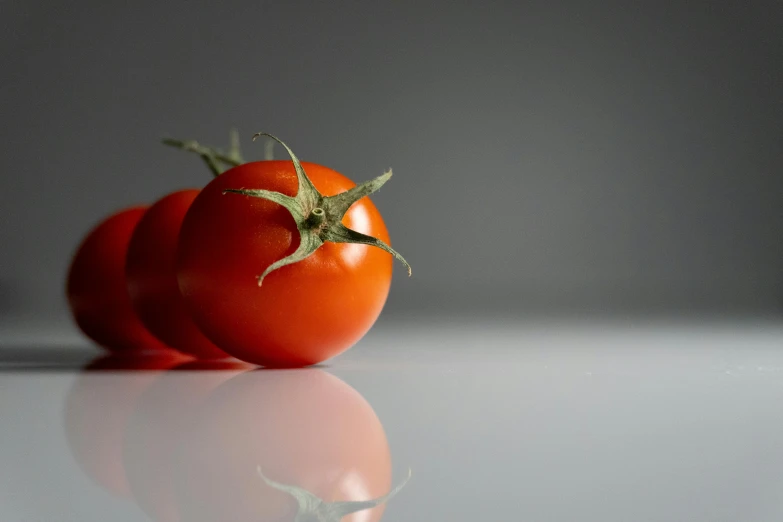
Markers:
216,159
310,507
319,218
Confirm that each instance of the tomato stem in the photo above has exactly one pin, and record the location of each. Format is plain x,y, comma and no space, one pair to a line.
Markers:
319,218
269,150
234,149
316,217
212,156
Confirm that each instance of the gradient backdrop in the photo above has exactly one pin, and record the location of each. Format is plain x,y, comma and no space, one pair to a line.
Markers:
548,156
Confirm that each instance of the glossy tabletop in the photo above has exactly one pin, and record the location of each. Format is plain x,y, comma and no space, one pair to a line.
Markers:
491,420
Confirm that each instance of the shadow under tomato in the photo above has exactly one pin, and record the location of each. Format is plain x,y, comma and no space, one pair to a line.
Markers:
229,364
319,366
38,359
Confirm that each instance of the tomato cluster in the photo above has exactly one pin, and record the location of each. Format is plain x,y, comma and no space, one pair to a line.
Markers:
277,263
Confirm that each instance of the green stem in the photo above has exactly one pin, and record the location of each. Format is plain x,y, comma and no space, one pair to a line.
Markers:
269,150
234,151
316,218
211,155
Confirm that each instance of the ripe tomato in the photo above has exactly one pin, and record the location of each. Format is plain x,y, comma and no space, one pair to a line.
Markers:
304,428
303,313
97,409
152,279
96,289
162,419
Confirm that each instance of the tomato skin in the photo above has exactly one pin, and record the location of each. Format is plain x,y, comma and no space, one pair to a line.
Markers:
151,277
96,289
305,428
304,313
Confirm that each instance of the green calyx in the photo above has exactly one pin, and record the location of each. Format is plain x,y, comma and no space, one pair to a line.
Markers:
310,507
319,218
216,159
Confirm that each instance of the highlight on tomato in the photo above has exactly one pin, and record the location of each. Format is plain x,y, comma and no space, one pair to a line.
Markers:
285,263
280,446
98,406
96,287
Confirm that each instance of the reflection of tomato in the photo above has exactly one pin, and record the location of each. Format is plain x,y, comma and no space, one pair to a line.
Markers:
303,313
158,426
304,428
97,409
96,287
152,278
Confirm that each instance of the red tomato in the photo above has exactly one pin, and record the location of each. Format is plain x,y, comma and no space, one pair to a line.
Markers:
98,407
152,279
96,287
303,313
161,421
303,428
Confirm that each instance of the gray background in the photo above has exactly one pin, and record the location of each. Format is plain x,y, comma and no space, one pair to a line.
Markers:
548,156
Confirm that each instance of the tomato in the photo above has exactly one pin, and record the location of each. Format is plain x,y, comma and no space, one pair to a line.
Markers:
303,313
96,289
98,406
152,280
303,428
161,420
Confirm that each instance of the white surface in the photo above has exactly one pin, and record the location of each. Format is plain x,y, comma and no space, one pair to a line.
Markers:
498,421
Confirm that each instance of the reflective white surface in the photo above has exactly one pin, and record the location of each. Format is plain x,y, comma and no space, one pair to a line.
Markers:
496,421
